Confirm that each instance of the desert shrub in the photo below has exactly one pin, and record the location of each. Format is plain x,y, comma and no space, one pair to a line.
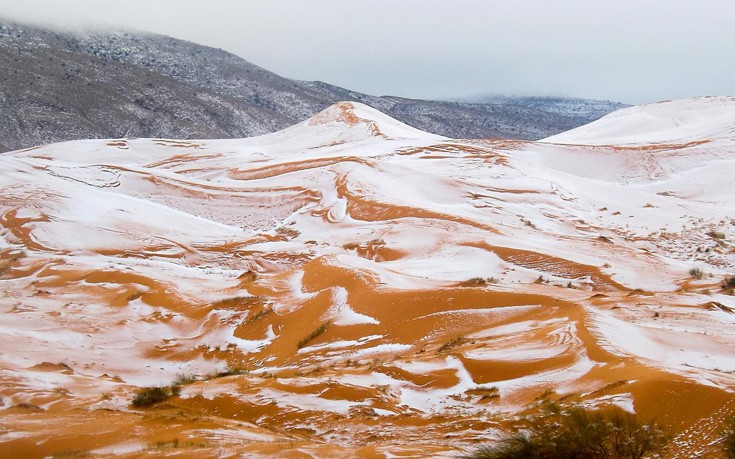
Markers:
456,341
234,301
729,440
311,336
149,396
164,444
477,281
696,273
580,434
183,380
260,314
5,265
72,454
228,372
728,283
716,234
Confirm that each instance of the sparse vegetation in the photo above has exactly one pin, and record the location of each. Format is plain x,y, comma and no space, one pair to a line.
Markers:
235,301
355,245
479,281
8,259
260,314
696,273
476,281
311,336
715,234
165,444
72,453
175,443
581,434
5,265
149,396
728,283
729,439
183,380
528,223
288,233
228,372
484,394
457,340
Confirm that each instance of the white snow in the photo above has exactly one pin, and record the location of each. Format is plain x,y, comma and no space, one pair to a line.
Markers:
665,122
340,313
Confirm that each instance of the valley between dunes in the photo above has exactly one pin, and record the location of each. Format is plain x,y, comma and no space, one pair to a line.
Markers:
354,287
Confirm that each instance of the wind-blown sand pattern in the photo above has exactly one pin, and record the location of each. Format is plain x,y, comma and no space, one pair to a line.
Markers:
359,300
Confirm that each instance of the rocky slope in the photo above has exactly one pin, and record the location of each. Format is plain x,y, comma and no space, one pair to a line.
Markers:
354,287
62,86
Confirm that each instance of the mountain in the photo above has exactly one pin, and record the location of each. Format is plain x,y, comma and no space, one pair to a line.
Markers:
64,86
586,110
354,287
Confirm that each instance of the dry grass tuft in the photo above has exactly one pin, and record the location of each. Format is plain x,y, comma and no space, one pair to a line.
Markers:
313,335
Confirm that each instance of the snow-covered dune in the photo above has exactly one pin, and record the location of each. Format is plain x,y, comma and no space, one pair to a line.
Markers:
370,283
671,122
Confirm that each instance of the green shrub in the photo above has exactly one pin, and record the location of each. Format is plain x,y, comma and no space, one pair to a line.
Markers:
580,434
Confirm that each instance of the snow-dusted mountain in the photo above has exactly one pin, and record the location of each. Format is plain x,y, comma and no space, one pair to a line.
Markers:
352,286
62,86
583,109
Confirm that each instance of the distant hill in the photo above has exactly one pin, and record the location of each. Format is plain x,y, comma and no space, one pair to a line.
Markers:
61,86
567,106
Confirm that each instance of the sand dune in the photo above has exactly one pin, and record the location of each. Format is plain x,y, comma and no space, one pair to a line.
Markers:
327,291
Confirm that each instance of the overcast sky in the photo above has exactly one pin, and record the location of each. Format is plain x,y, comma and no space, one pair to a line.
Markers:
632,51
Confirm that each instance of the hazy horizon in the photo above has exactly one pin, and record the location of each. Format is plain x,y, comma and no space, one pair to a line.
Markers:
620,51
